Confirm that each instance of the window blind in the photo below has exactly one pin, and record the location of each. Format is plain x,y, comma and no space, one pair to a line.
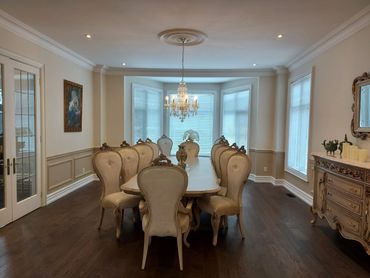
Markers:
235,117
298,126
202,123
147,113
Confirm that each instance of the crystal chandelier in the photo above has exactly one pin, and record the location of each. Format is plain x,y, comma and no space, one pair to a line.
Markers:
182,105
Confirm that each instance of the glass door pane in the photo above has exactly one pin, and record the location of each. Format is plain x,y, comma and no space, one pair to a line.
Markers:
25,134
2,164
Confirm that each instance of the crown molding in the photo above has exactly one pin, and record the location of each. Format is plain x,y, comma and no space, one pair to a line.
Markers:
20,58
192,72
26,32
100,69
342,32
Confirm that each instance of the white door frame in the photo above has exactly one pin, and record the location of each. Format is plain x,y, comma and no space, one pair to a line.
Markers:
13,209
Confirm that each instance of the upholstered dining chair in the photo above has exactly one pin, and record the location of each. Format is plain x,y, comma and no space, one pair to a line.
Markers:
219,143
238,170
191,148
223,161
107,165
165,145
130,161
145,154
163,185
216,158
154,147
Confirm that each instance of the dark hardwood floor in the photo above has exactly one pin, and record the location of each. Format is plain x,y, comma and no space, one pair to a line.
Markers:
61,240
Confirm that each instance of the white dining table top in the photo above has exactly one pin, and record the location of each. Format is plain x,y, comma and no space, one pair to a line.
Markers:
202,179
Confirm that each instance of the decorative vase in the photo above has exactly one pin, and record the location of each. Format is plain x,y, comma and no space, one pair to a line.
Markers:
181,156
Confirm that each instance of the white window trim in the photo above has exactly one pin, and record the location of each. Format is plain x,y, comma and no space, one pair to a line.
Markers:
286,168
133,87
232,90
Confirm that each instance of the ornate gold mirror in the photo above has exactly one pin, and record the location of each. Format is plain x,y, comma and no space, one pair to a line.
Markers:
360,125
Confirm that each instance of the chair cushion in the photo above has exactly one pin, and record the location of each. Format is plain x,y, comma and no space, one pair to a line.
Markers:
184,221
120,199
219,205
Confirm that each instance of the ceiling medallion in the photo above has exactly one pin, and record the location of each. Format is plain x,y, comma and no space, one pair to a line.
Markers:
176,36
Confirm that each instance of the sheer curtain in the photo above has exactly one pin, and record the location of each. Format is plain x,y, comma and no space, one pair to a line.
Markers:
202,123
147,115
298,127
235,117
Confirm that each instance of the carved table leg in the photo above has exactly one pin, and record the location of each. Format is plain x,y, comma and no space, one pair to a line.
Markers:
196,216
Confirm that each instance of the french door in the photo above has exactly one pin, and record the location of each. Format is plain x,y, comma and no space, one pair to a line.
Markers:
20,176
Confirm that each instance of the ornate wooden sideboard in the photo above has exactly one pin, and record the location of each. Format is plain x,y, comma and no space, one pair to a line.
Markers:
342,196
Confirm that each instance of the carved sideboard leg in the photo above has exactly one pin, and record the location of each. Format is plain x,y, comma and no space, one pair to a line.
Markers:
314,214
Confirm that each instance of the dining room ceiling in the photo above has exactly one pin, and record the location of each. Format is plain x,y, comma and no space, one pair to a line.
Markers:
240,33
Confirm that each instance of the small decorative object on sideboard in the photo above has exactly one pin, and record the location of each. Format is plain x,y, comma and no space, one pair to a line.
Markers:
330,146
344,147
181,156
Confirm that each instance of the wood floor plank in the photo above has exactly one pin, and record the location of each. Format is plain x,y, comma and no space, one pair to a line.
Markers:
61,240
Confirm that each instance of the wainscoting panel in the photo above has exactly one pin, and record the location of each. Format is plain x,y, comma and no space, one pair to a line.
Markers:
59,173
65,169
83,165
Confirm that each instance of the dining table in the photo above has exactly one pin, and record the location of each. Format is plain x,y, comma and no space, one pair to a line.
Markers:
202,179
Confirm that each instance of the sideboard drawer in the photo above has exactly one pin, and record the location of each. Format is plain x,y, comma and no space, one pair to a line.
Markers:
345,186
348,223
352,205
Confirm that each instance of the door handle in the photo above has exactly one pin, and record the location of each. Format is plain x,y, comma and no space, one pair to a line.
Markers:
14,165
8,166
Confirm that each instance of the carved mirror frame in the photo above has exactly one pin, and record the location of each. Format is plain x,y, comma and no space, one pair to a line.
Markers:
357,131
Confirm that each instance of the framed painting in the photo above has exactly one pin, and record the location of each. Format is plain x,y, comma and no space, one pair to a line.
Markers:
72,107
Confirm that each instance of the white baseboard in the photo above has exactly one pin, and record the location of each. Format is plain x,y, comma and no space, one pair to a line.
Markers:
52,197
305,197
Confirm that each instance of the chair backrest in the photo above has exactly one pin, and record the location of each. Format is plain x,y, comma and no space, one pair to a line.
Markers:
107,165
165,145
191,148
130,161
163,188
224,159
154,147
217,155
219,143
238,170
145,154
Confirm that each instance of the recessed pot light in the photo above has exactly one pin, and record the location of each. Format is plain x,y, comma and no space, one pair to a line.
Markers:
254,65
123,64
88,36
280,36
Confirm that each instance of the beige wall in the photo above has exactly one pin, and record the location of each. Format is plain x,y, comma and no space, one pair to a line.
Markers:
113,108
333,74
263,109
76,147
56,69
